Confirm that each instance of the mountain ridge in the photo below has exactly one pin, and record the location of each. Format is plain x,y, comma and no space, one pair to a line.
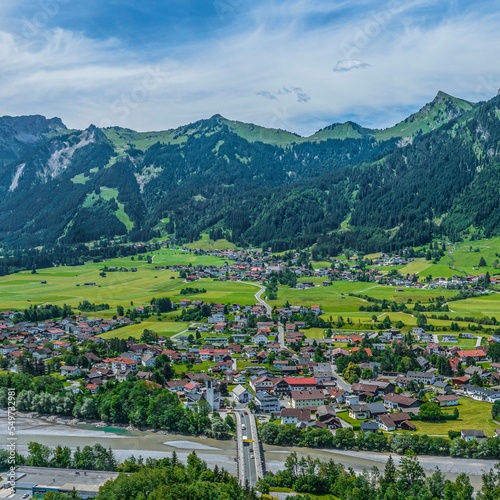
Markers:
255,185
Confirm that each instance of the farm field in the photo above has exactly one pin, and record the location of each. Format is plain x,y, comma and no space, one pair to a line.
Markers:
205,243
165,328
472,415
477,306
66,284
460,259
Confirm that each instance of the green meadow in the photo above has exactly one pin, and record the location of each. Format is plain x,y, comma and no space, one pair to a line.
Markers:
335,301
65,285
472,415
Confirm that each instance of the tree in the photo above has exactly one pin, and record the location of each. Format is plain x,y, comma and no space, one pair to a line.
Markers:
476,380
410,475
435,483
495,410
352,372
461,489
491,484
219,429
390,474
421,320
367,374
120,311
38,454
430,411
482,262
494,352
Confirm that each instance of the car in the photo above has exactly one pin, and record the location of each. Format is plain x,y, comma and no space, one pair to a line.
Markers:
251,456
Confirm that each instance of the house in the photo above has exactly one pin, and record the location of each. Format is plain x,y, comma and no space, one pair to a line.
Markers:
93,388
393,421
443,387
370,426
364,390
481,394
176,385
70,371
295,415
328,416
323,372
447,400
124,375
260,338
241,394
475,354
305,399
359,412
400,402
301,383
376,409
261,383
470,435
266,402
337,394
351,400
148,360
427,378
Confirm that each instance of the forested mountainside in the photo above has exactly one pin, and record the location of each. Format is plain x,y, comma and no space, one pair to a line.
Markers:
435,173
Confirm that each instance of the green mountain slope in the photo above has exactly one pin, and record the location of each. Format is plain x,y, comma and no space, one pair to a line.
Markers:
435,173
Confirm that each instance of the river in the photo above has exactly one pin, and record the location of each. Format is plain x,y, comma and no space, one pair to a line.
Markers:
125,443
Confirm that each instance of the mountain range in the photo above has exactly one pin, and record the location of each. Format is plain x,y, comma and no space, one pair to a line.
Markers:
435,174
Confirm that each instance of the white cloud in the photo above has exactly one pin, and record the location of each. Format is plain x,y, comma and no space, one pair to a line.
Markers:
345,65
241,74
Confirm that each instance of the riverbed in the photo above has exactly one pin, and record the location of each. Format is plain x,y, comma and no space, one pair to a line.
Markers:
125,443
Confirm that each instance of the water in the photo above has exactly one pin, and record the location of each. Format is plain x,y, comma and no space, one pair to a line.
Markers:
125,443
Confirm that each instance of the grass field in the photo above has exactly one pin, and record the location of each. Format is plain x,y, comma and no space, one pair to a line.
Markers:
18,291
165,328
473,415
344,415
205,243
335,301
66,285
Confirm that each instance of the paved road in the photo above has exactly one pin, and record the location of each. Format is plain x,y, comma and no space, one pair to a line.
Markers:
250,466
341,383
281,335
259,298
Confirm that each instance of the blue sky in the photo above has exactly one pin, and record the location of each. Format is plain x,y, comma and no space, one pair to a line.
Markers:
299,65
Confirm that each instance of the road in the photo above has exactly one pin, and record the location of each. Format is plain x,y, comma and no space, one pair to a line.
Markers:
269,312
281,335
250,460
341,383
258,296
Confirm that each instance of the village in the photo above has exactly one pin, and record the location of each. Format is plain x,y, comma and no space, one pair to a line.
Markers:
266,363
258,265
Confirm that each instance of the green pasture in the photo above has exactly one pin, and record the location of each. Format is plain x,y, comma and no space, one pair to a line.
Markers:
472,415
205,243
466,258
488,305
416,267
335,299
66,284
195,367
276,489
165,328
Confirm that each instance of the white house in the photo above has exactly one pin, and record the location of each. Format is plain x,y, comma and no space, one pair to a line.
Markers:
241,394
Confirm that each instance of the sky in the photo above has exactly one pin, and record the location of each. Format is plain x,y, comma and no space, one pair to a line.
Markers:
298,65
